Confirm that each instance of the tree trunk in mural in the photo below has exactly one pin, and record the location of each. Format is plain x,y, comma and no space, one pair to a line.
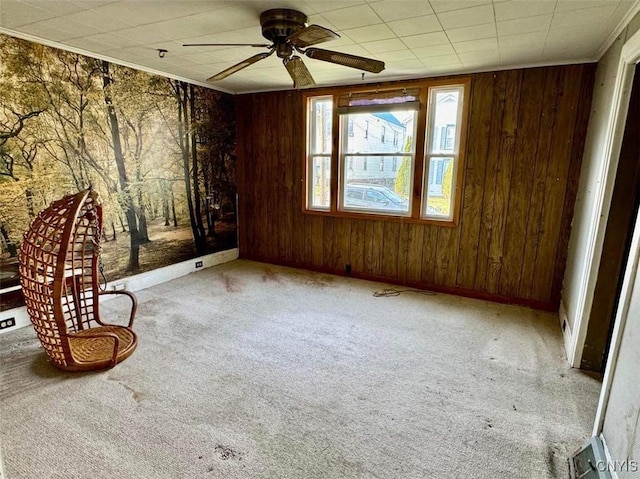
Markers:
173,208
127,201
195,171
182,94
11,248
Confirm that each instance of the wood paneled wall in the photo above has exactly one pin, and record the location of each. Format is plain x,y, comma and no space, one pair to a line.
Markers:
524,148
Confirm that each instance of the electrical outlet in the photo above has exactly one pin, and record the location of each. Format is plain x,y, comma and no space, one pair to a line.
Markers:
7,323
198,264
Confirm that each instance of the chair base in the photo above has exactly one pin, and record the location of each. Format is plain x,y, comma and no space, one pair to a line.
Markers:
95,353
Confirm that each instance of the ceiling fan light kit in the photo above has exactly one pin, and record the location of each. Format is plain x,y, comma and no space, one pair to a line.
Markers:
289,33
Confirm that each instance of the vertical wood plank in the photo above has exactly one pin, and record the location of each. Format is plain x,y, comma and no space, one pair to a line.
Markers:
502,179
329,245
493,154
342,230
356,246
298,150
429,247
475,171
536,201
525,158
404,239
391,240
414,253
557,179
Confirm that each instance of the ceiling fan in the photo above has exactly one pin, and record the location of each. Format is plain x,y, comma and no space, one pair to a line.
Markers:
289,33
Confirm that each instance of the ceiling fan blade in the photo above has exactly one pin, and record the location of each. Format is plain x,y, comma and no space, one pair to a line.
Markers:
353,61
312,35
239,66
299,72
265,45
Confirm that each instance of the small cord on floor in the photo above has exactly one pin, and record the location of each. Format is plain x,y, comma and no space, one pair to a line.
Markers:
384,293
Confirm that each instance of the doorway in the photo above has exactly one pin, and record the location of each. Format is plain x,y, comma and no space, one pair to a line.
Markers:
625,202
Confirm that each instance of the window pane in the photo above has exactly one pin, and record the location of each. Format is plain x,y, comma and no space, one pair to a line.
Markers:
370,132
320,124
320,184
376,176
440,188
444,120
379,189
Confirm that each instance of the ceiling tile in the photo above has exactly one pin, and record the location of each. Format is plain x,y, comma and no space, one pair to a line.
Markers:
14,14
540,23
476,32
118,41
569,5
381,46
389,10
467,17
369,33
396,56
89,45
425,40
42,30
585,16
415,26
480,60
522,40
490,44
441,60
352,17
449,5
142,12
56,7
97,20
434,51
320,6
523,8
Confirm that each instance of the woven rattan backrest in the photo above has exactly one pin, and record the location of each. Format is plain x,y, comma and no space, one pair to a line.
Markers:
58,270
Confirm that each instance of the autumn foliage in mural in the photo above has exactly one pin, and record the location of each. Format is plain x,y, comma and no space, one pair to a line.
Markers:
160,152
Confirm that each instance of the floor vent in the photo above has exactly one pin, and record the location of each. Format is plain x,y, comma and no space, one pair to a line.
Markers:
590,462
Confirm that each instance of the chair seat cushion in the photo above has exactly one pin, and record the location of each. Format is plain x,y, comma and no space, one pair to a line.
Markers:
96,353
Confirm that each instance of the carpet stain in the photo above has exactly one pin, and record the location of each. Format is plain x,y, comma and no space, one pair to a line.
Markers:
270,275
232,285
136,395
321,281
226,453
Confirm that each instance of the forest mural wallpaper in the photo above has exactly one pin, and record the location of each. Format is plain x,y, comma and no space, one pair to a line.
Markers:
160,152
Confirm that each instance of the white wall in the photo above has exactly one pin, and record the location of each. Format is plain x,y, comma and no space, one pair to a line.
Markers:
594,195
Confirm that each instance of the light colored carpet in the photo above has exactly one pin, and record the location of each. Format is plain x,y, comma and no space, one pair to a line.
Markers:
253,371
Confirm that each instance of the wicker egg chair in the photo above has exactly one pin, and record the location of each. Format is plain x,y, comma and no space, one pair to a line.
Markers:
60,281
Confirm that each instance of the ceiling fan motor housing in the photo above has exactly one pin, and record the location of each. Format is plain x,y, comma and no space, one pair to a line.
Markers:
278,23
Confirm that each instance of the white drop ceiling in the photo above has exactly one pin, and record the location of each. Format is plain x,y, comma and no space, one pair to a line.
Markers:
415,38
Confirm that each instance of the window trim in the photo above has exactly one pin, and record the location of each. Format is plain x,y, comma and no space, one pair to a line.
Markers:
420,176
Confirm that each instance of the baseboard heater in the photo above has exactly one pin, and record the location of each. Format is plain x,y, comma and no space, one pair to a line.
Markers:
590,461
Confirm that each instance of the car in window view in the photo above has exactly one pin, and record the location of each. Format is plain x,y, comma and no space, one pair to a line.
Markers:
374,197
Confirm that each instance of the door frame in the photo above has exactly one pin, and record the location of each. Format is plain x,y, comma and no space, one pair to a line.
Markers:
629,57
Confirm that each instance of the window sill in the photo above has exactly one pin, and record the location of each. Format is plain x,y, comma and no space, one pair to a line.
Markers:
376,217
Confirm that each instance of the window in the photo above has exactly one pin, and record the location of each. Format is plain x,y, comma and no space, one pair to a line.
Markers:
443,116
320,135
416,175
